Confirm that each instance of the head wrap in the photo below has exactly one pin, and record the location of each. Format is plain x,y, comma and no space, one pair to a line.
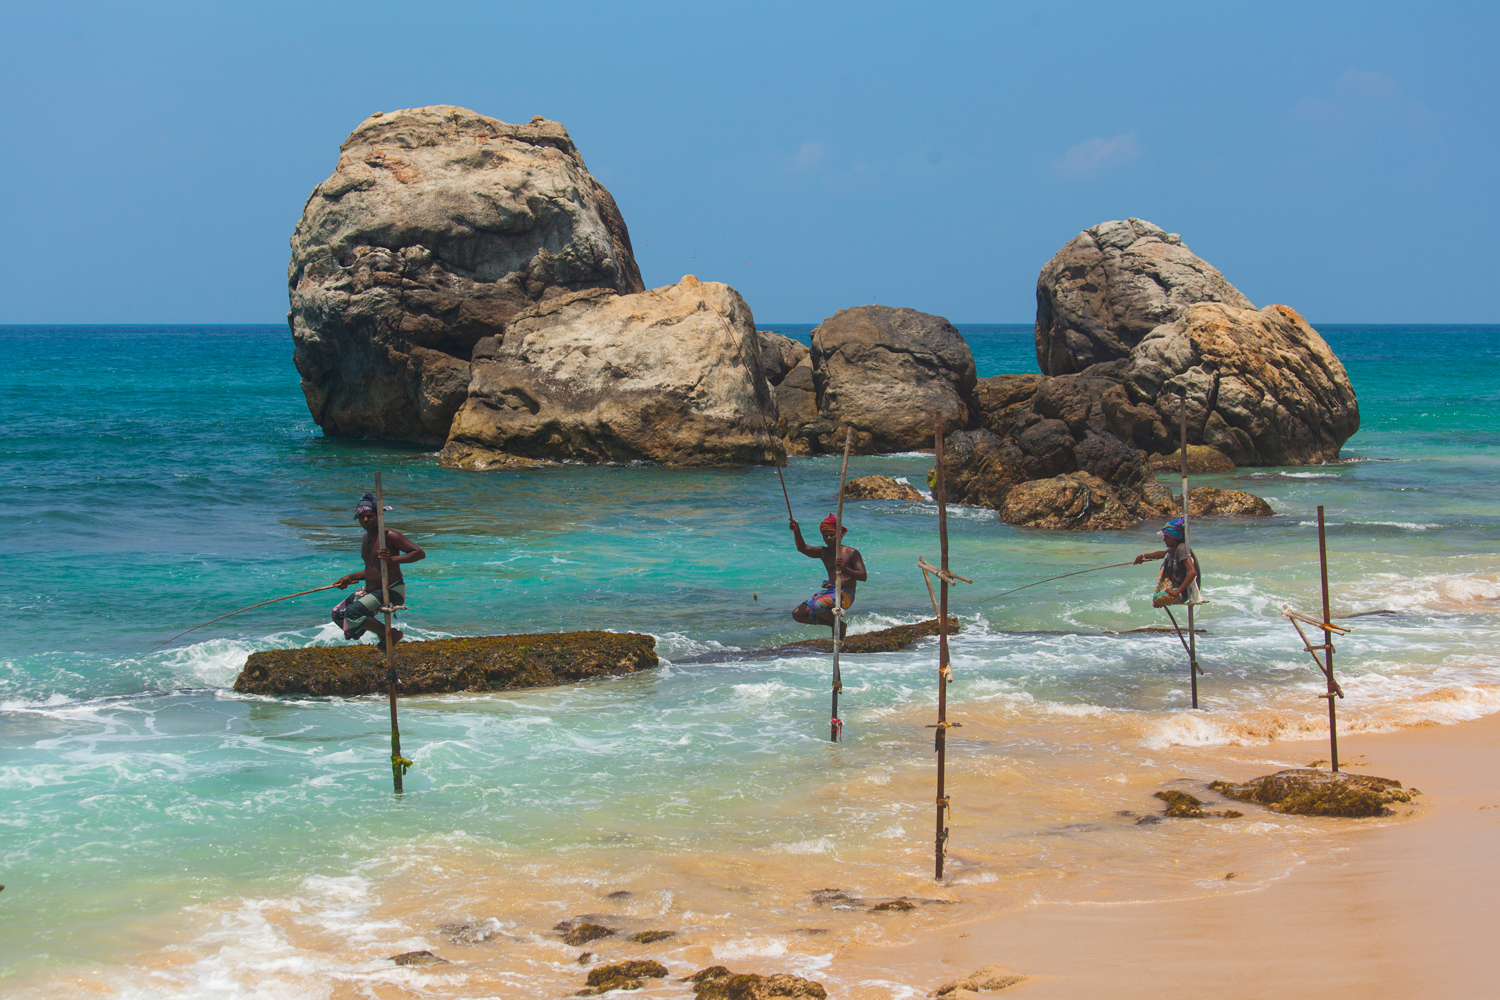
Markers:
366,503
1174,530
832,521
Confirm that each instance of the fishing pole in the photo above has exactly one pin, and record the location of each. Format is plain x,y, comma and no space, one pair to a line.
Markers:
231,614
1061,576
776,459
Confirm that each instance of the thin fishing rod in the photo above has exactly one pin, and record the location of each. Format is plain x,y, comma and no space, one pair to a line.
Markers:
1061,576
776,458
231,614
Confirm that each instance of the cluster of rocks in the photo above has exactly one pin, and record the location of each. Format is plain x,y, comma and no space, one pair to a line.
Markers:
464,282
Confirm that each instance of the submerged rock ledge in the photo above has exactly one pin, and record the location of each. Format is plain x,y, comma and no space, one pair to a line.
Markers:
479,663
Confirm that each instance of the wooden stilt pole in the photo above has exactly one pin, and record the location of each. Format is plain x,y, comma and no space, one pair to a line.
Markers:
835,724
390,647
1333,732
1193,669
940,493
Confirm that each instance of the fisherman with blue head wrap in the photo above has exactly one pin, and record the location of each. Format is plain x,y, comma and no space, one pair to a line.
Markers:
1178,582
361,612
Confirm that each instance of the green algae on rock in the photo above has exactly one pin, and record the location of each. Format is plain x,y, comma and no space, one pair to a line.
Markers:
651,937
478,663
1181,805
579,932
1306,792
886,640
630,975
718,983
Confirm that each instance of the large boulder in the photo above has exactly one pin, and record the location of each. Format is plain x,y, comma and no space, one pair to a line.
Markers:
887,373
436,228
1113,284
1130,319
672,375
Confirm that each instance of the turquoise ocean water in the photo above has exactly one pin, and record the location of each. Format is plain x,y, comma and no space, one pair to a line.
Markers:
157,477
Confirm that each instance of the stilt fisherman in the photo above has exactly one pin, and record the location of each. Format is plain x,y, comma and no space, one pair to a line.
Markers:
360,612
1178,580
837,558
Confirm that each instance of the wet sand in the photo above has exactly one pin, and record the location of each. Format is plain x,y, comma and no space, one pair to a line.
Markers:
1405,909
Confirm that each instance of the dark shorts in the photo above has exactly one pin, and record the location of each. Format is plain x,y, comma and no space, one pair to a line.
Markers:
355,612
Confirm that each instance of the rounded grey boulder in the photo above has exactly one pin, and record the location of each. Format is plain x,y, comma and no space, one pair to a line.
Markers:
437,226
886,372
1113,284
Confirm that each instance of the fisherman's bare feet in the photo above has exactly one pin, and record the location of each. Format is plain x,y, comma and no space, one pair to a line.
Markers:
396,636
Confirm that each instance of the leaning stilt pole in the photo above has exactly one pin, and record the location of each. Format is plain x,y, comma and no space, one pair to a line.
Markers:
390,647
835,724
1333,732
945,673
1193,668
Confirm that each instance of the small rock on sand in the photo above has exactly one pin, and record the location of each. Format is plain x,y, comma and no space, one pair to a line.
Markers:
988,979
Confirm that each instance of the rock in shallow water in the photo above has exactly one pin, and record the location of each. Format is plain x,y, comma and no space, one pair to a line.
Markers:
1202,460
1128,303
437,226
481,663
1308,792
672,375
1206,501
886,373
718,983
879,488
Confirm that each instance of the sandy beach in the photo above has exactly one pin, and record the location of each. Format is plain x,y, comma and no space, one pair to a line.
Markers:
1402,909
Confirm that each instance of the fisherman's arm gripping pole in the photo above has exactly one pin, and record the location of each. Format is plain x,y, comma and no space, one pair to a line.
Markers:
399,764
834,723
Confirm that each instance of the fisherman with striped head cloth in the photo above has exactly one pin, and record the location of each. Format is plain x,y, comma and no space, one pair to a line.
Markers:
361,612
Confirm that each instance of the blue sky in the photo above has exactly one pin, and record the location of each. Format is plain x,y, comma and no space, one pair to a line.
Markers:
1340,158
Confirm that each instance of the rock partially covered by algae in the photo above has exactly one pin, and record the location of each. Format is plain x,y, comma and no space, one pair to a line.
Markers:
1307,792
477,663
718,983
579,932
630,975
1181,805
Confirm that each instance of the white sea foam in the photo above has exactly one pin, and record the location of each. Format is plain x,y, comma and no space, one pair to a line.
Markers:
750,947
818,845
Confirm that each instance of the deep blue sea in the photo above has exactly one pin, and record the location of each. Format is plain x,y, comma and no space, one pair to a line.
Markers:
163,836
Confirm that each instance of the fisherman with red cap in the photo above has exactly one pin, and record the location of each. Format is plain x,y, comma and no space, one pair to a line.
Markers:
837,558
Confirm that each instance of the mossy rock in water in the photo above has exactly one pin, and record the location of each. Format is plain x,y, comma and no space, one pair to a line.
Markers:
478,663
718,983
623,976
1306,792
1181,805
886,640
580,932
651,937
